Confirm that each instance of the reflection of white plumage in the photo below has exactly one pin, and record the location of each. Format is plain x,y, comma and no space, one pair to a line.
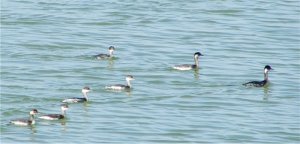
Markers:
84,91
189,66
121,86
26,122
64,107
260,83
111,50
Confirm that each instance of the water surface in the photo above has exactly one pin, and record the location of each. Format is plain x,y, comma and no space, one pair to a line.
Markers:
46,56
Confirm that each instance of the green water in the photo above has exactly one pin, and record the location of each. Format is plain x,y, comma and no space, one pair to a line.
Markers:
46,56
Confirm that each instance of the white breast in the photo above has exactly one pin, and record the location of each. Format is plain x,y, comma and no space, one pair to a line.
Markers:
182,68
115,87
20,123
47,118
70,101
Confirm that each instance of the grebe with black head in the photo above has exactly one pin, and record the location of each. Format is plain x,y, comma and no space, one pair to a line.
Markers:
111,50
190,66
121,86
85,98
26,122
260,83
64,108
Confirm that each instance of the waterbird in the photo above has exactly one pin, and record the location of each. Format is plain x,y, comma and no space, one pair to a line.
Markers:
84,91
111,50
121,86
260,83
26,122
190,66
64,108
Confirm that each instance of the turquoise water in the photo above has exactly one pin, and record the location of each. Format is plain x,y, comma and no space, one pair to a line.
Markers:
46,56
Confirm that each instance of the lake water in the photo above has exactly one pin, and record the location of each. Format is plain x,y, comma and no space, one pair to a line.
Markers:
46,56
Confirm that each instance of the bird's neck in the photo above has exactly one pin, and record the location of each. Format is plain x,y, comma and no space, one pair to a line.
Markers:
266,76
111,53
85,95
128,83
196,61
31,116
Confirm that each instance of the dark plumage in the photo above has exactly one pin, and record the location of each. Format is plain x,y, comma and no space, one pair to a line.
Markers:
84,91
189,66
260,83
64,107
121,86
111,50
26,122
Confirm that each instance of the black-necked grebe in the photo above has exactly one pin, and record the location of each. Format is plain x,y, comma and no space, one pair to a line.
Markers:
111,50
26,122
189,66
121,86
63,107
84,91
260,83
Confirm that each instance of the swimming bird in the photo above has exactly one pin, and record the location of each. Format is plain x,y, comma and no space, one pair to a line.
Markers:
26,122
189,66
111,50
84,91
121,86
63,107
260,83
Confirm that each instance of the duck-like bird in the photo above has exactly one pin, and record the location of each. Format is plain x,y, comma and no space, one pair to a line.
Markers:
111,50
121,86
190,66
63,107
84,91
260,83
26,122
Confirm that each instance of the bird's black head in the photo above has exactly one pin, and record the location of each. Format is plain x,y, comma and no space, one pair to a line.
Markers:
111,48
35,110
268,67
198,54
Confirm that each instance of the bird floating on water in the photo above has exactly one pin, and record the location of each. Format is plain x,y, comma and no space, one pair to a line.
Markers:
260,83
26,122
85,98
111,50
121,86
190,66
63,107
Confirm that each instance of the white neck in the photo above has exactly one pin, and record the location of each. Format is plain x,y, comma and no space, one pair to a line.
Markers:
128,83
266,74
85,95
266,71
31,117
196,60
111,52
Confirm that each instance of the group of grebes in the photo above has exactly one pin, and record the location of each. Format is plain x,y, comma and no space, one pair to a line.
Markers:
85,90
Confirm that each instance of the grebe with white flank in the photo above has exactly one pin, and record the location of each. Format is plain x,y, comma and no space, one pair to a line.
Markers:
189,66
260,83
121,86
84,91
63,107
26,122
111,50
